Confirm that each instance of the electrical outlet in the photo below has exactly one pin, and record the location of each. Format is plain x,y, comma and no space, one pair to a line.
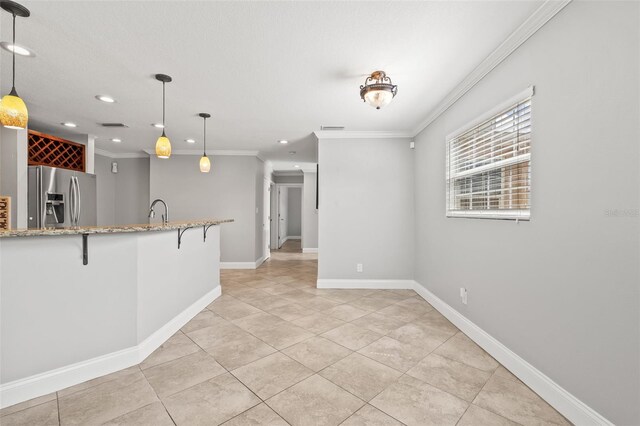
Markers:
359,267
463,295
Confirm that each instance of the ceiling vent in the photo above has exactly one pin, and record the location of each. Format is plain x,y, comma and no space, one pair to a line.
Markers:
113,125
331,127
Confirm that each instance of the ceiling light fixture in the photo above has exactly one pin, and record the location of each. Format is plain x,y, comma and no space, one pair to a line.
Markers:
69,124
13,111
116,140
190,140
282,141
105,98
205,164
378,90
17,49
296,166
163,144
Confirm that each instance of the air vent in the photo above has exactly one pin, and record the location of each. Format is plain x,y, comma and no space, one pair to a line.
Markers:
114,125
331,127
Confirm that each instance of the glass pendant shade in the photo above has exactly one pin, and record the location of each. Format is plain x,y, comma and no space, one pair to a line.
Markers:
163,147
378,98
378,90
205,164
13,112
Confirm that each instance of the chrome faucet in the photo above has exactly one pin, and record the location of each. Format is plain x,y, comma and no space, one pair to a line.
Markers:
165,216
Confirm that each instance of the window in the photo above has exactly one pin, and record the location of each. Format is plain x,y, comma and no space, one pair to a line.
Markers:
489,164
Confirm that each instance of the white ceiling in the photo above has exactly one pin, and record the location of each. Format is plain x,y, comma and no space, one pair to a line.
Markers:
264,70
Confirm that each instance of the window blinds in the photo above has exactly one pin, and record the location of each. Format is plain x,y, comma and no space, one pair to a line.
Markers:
489,166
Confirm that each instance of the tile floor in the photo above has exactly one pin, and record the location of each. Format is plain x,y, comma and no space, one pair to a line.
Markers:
274,350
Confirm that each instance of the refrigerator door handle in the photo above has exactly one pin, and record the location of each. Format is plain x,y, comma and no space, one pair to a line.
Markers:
72,209
78,200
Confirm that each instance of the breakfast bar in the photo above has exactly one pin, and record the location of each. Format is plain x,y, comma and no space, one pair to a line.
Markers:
78,303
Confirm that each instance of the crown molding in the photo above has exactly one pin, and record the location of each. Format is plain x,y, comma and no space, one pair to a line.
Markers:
213,152
110,154
541,16
297,172
348,134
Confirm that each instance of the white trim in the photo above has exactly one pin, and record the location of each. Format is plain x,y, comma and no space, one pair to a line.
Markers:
291,237
529,27
54,380
110,154
310,250
261,261
568,405
366,283
213,152
243,265
332,134
295,173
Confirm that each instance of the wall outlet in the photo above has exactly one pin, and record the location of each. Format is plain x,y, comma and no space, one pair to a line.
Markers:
359,267
463,295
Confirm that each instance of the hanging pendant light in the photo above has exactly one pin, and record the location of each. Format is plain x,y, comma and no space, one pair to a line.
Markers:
13,111
205,164
378,90
163,144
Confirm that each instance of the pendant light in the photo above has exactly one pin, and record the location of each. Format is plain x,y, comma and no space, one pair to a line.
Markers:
205,164
13,111
163,144
378,90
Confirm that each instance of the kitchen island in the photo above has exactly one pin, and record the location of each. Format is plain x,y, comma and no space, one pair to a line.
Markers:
79,303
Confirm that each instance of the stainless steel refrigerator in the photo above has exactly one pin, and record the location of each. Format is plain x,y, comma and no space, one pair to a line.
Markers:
61,198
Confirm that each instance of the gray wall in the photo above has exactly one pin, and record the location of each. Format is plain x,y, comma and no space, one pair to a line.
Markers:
13,173
259,247
288,179
561,291
123,197
366,204
228,191
309,212
294,212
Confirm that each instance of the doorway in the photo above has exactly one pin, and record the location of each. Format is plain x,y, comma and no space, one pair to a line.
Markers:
287,199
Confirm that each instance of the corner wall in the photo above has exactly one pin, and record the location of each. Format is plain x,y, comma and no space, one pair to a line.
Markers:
561,291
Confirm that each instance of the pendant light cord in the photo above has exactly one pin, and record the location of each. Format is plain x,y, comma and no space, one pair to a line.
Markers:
163,97
13,51
205,136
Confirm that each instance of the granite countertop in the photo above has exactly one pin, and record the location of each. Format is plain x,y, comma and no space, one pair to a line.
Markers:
109,229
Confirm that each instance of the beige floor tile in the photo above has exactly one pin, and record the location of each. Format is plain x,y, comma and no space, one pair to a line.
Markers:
370,303
505,374
370,416
415,334
403,292
399,312
174,376
435,320
260,415
462,349
346,312
211,336
317,353
395,354
283,335
152,414
318,303
414,402
517,402
360,375
259,321
416,305
249,294
271,374
269,302
291,311
476,416
176,347
277,289
211,402
450,376
135,370
233,309
351,336
206,318
315,401
378,323
240,349
45,414
106,401
318,323
27,404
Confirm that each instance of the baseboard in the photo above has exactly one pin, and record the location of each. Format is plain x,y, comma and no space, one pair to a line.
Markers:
368,284
51,381
260,261
310,250
291,237
568,405
243,265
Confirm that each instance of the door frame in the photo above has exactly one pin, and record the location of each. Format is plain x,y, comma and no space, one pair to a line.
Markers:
278,186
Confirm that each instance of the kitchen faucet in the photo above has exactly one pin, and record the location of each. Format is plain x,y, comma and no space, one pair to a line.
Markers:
165,216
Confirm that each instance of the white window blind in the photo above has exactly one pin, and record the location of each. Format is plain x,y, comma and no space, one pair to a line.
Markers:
489,165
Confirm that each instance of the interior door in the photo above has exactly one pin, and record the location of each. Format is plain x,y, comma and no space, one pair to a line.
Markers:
266,213
282,215
273,218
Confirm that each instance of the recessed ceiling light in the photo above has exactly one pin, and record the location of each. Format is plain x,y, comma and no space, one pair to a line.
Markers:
105,98
69,124
117,140
190,140
158,125
19,50
296,166
292,152
282,141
